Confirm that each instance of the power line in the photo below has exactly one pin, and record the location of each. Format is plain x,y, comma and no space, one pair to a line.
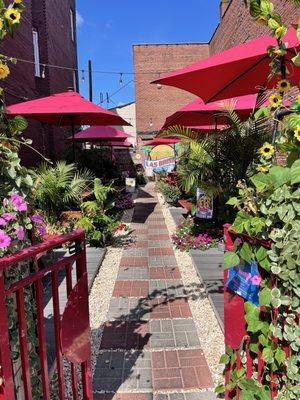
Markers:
96,71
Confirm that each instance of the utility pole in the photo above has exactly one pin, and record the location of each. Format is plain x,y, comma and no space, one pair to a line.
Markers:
90,81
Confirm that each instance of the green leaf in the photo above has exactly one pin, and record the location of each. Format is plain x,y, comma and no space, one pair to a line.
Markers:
224,359
233,201
246,252
280,175
220,389
265,297
296,60
267,355
295,172
231,259
273,24
280,356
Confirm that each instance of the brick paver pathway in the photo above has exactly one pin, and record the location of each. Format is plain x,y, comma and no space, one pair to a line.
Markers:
150,349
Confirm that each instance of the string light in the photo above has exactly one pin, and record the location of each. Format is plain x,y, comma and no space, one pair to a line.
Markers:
82,76
151,123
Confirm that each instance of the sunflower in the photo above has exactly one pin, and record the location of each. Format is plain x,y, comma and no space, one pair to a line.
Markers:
262,168
4,71
13,16
297,133
279,52
267,150
283,85
275,100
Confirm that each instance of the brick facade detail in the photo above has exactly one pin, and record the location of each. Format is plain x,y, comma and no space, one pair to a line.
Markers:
153,105
52,21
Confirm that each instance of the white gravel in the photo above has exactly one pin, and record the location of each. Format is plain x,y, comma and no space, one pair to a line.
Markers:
210,334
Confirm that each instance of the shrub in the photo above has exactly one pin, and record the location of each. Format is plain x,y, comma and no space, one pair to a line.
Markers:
124,201
171,193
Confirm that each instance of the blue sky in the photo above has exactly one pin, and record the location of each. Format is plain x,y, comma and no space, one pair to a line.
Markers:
108,29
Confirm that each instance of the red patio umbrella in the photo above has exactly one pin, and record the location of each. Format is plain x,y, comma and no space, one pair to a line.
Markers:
66,109
238,71
125,144
100,134
198,113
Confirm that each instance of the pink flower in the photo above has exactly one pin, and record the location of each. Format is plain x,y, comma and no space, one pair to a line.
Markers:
2,222
42,231
18,202
9,217
5,240
256,280
20,232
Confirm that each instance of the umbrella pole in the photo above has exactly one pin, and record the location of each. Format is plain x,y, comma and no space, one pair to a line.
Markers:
73,140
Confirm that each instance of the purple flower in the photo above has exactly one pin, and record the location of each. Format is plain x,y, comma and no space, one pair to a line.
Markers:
5,240
18,201
20,232
3,222
42,231
37,219
9,217
256,280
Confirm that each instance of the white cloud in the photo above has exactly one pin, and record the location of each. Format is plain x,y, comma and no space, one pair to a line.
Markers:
79,19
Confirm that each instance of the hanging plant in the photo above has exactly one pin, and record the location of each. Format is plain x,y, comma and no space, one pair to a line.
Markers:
268,224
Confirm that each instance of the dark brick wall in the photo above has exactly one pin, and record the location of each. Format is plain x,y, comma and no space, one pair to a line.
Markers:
152,103
51,18
237,26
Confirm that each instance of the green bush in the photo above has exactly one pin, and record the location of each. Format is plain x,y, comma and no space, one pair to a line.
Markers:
171,193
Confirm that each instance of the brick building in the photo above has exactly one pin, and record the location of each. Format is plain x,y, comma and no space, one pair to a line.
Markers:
46,35
236,26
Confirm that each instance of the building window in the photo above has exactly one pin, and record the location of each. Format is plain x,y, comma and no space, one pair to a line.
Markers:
36,53
72,25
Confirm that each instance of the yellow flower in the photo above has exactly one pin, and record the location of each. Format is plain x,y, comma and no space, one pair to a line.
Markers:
262,20
18,1
283,85
298,98
279,33
275,100
297,133
279,52
4,71
13,16
267,150
262,168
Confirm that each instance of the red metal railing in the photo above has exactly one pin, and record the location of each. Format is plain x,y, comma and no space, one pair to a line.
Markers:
72,343
235,324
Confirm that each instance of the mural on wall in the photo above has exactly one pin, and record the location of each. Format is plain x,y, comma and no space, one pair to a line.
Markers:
159,159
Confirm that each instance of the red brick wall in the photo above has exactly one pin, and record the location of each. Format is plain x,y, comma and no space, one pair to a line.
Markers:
52,20
237,26
152,103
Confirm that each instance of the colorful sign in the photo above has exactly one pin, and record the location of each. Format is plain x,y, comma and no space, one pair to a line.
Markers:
205,205
161,159
245,280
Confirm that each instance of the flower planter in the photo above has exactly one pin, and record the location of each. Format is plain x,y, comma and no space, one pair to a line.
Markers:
187,205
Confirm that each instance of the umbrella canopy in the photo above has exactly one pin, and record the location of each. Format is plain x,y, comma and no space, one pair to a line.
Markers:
238,71
159,141
66,109
100,134
125,144
198,113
